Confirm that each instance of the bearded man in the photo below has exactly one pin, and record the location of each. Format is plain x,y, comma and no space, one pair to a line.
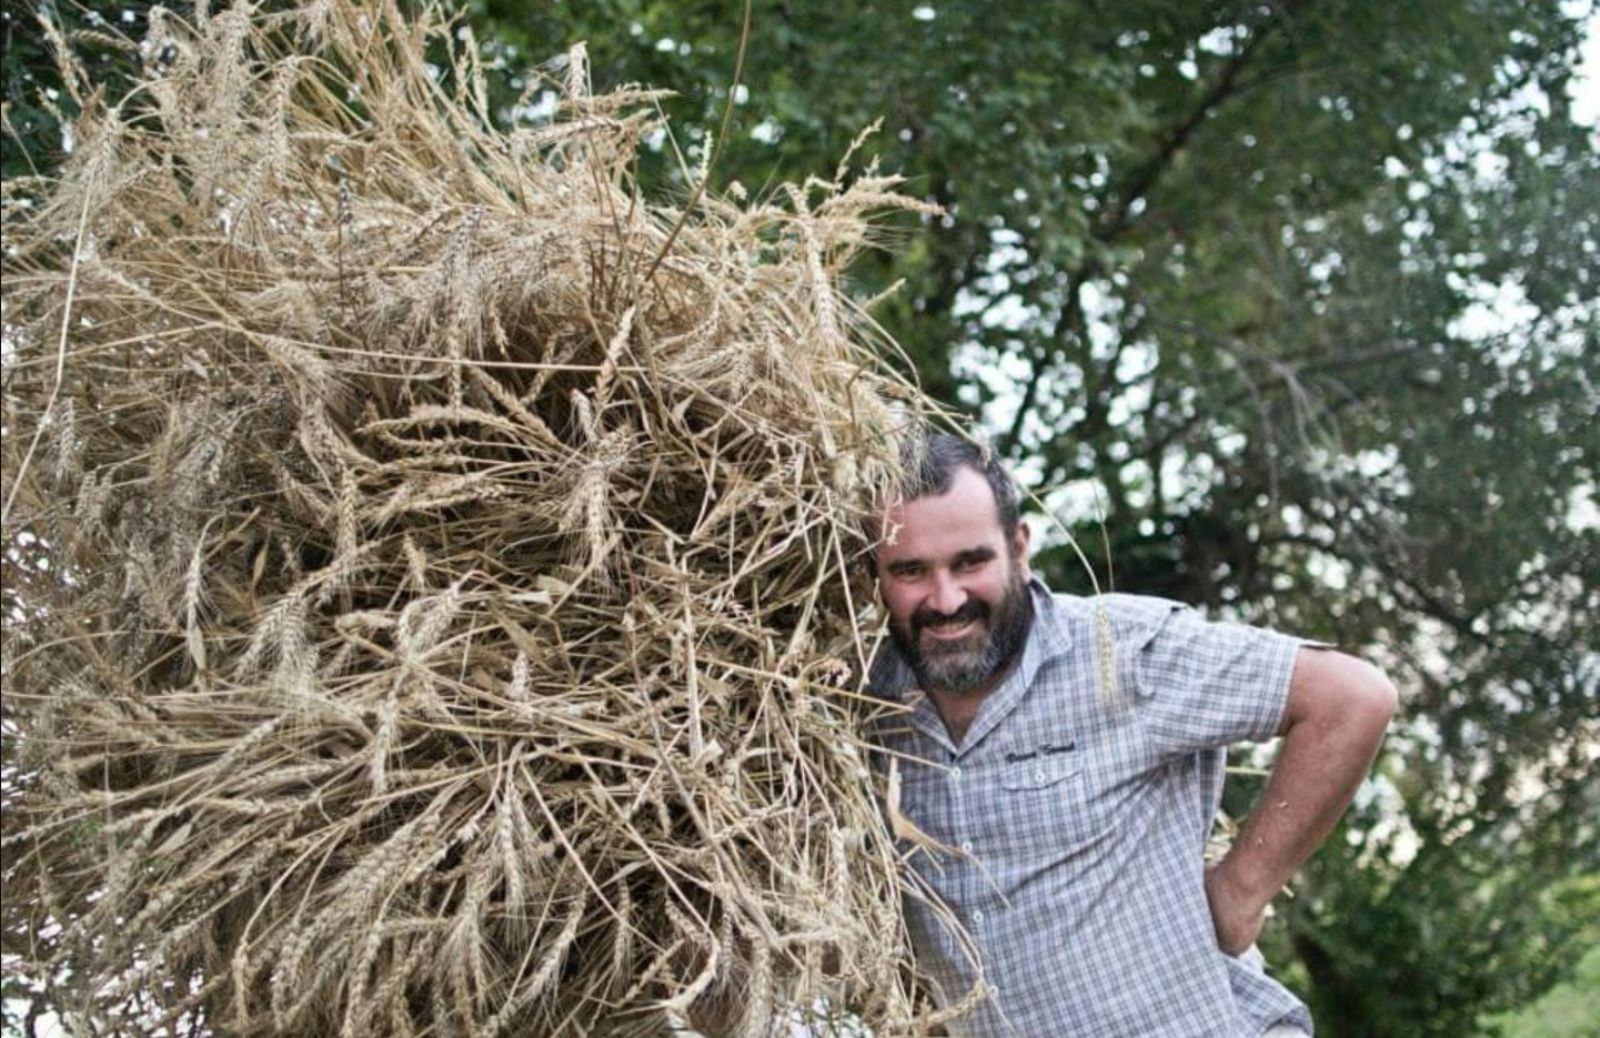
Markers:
1068,756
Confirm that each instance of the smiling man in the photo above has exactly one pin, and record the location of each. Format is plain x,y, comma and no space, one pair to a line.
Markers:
1075,809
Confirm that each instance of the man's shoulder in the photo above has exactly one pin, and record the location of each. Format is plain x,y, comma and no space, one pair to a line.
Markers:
1129,615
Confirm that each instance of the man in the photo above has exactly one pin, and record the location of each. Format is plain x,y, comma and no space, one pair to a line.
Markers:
1073,787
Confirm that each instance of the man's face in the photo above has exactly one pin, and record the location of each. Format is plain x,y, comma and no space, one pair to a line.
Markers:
955,588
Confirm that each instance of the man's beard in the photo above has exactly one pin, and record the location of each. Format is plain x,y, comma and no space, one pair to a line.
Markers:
963,668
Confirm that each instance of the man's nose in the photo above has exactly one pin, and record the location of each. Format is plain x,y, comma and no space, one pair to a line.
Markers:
948,595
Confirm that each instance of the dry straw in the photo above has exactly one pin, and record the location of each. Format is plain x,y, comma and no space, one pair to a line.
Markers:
431,601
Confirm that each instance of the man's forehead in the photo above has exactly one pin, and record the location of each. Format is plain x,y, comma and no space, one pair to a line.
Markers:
968,501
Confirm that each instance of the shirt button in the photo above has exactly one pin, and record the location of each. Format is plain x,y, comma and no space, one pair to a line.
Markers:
1038,776
966,845
977,915
955,772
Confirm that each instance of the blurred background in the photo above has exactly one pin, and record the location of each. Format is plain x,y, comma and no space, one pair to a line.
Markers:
1287,310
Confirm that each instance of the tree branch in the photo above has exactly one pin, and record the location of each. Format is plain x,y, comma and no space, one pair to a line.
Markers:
1227,85
1069,321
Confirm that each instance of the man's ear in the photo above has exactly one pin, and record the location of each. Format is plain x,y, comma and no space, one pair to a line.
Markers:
1019,545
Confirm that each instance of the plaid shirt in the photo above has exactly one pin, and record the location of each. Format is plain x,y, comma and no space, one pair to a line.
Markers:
1078,823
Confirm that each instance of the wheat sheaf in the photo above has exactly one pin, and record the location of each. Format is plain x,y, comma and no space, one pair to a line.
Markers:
432,601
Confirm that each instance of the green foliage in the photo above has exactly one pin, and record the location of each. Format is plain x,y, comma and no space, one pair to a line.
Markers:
1569,1010
36,106
1373,941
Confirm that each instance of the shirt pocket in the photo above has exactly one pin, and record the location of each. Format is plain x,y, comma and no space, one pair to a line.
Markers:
1043,813
1038,773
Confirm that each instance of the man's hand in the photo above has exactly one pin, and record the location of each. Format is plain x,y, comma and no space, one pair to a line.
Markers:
1237,919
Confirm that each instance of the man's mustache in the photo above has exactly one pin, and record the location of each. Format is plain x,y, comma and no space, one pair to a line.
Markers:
972,609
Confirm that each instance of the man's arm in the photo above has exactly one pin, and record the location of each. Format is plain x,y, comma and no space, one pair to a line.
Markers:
1338,710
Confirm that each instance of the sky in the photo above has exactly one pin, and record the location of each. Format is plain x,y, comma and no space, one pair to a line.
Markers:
1586,84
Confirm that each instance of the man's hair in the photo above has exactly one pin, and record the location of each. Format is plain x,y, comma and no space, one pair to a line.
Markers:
931,463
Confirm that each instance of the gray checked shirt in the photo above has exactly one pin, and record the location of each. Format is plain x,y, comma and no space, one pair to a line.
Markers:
1075,825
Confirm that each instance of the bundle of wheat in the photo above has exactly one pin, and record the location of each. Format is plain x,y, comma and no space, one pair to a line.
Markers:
430,600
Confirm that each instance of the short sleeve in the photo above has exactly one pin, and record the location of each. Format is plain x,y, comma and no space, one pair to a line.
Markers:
1200,685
